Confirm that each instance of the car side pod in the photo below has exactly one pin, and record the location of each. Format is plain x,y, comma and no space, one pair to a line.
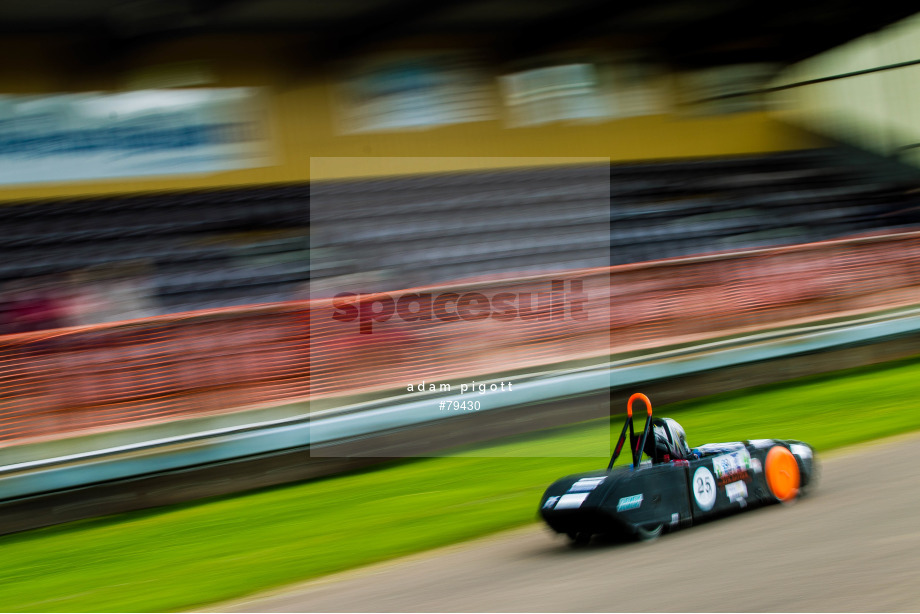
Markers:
626,501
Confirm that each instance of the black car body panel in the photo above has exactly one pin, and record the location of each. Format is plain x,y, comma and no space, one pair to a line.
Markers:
643,496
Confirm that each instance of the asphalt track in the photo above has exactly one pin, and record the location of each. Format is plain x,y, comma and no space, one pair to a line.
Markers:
852,545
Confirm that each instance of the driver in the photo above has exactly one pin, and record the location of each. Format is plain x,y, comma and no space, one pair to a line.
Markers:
669,441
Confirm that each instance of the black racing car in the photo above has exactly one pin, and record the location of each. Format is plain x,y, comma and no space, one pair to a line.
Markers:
675,486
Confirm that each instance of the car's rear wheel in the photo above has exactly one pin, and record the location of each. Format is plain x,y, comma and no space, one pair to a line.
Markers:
579,539
782,473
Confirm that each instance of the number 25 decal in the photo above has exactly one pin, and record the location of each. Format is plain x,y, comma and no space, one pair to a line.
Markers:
704,490
703,486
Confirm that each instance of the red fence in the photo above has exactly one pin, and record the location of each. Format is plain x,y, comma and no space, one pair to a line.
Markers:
159,368
116,375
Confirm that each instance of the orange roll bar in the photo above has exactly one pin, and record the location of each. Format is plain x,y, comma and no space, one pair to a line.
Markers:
638,396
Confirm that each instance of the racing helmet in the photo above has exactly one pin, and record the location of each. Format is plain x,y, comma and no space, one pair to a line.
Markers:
669,439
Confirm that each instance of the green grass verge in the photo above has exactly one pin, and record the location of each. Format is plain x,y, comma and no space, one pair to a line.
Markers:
191,555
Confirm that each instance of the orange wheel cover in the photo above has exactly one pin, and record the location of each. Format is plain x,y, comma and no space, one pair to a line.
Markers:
782,473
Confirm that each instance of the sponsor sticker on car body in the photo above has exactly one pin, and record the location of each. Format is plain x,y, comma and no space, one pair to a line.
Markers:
629,503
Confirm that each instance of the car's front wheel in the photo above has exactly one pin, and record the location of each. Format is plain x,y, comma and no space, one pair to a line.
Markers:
579,539
647,534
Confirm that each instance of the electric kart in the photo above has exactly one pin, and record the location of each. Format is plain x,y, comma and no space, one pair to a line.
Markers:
675,486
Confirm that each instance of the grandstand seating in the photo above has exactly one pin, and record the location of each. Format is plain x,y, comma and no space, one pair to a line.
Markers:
237,246
197,245
432,229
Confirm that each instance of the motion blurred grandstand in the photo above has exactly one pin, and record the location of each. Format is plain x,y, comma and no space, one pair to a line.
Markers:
188,184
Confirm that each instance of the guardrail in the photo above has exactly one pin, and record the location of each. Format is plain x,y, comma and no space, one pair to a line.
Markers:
367,419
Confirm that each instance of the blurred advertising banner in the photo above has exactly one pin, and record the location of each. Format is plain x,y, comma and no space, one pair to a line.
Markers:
95,135
582,92
414,92
701,89
554,93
